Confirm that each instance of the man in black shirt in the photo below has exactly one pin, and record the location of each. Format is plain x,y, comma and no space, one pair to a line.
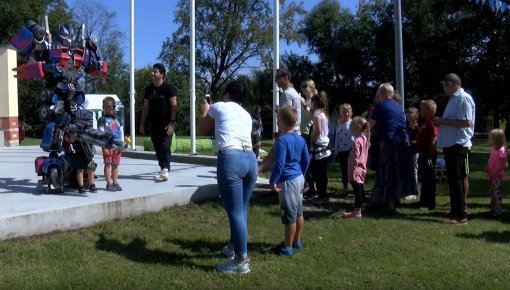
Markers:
160,107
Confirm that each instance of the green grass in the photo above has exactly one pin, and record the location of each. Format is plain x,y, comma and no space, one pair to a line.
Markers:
178,248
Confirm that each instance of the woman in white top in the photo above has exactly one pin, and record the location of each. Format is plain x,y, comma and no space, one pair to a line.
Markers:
236,168
319,151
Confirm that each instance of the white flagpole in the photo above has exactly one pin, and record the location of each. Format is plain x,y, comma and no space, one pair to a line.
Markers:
276,58
192,79
132,126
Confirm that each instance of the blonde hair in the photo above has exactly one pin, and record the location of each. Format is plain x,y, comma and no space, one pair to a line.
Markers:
497,138
311,84
386,91
413,110
429,104
365,125
344,106
288,115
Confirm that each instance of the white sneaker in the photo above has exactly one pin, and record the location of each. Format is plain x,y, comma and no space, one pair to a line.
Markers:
162,176
410,197
232,266
228,251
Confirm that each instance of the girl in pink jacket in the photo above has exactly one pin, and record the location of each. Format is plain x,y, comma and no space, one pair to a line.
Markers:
495,168
357,164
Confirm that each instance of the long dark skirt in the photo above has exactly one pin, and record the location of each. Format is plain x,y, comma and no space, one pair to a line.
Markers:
394,177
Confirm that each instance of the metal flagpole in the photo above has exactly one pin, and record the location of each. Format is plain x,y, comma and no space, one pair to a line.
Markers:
192,79
399,57
276,57
132,77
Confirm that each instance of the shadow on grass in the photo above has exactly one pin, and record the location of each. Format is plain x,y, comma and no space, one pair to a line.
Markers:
137,251
190,251
489,236
214,248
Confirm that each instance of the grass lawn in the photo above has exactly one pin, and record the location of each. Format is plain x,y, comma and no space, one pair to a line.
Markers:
179,247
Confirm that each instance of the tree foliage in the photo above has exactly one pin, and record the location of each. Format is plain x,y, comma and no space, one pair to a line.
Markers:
16,13
99,21
230,36
440,36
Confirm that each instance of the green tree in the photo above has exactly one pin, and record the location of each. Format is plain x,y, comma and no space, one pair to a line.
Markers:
180,81
100,22
229,35
17,12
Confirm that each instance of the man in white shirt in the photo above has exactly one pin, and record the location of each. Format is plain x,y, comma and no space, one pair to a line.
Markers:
289,96
456,128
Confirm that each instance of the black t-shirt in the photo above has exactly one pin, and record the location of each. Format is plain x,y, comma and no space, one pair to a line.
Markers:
159,102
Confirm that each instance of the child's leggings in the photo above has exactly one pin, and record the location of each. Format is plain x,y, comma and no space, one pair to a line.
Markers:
496,195
359,193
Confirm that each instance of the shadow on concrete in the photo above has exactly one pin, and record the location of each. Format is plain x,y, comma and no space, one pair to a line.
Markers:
10,185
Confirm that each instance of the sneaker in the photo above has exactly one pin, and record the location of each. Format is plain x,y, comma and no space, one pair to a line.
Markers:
284,251
110,187
232,266
297,245
320,201
351,214
92,188
410,197
117,186
228,251
162,176
81,190
455,221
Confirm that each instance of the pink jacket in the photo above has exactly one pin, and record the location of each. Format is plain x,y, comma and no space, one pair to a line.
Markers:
497,162
357,165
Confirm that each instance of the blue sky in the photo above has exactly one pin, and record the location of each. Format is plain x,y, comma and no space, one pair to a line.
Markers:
154,23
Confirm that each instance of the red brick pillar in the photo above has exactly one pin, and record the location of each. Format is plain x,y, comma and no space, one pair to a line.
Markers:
10,128
9,123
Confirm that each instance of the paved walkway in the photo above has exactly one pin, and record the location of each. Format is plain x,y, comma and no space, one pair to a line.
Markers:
26,212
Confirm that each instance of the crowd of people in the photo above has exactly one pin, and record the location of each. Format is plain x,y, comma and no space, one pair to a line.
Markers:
401,150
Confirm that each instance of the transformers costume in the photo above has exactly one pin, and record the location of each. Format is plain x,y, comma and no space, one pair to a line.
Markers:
64,65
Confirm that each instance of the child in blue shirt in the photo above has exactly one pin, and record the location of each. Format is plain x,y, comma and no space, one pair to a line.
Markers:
110,124
290,160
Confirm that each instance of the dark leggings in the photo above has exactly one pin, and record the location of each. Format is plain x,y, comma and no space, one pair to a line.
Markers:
344,159
359,193
319,170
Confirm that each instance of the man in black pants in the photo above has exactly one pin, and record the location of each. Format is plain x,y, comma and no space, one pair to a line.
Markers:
160,106
456,128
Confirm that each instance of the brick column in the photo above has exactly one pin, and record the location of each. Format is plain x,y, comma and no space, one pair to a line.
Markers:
9,122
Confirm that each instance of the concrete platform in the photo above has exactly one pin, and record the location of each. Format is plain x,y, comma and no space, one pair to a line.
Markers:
25,212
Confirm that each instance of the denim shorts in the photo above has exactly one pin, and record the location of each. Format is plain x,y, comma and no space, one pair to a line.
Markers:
291,199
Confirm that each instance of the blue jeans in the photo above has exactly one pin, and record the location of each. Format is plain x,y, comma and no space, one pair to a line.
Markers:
237,174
